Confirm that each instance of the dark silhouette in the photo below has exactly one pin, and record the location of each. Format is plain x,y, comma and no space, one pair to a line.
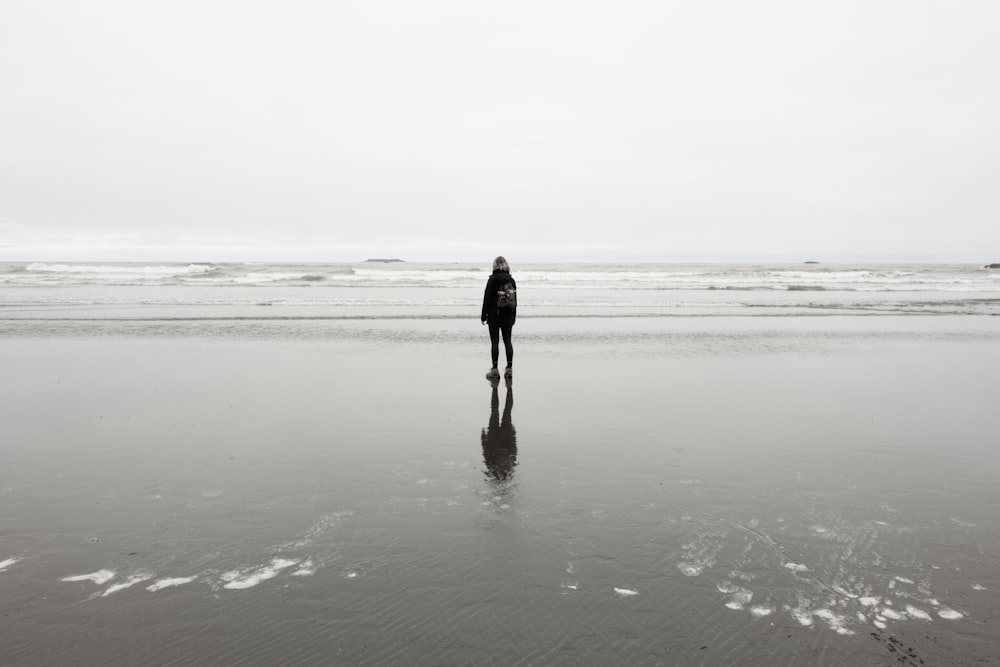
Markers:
499,438
500,320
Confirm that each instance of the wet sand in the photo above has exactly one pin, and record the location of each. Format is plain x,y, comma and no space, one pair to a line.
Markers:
777,493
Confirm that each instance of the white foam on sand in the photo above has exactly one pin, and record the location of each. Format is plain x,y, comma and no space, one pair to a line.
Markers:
167,583
918,614
843,591
689,569
321,525
796,567
978,587
248,578
869,601
100,577
625,592
4,564
739,598
834,621
891,614
726,587
949,614
760,611
306,569
131,581
803,617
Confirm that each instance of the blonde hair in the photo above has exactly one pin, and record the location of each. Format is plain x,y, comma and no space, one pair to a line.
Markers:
501,264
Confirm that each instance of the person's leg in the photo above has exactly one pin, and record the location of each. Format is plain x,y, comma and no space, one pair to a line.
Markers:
494,342
507,328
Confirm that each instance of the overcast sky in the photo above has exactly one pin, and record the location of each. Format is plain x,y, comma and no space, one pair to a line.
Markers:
339,130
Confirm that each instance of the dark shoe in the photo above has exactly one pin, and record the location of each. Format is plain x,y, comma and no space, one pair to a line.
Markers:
508,372
493,374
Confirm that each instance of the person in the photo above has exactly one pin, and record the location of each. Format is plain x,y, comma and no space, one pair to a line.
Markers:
500,320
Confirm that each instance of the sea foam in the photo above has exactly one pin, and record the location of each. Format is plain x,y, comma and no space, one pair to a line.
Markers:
248,578
160,584
128,583
100,577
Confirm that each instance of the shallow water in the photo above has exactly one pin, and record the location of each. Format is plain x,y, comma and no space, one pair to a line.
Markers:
818,490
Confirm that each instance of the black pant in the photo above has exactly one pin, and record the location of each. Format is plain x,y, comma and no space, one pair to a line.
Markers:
501,323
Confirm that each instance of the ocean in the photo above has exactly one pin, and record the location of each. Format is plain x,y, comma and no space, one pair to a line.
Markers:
402,290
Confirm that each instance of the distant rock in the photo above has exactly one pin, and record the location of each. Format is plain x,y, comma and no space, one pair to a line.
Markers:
992,266
384,261
810,262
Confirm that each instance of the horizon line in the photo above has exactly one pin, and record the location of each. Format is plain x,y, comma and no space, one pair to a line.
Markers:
534,260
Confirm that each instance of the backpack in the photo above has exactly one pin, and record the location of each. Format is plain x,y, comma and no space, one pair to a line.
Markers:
507,296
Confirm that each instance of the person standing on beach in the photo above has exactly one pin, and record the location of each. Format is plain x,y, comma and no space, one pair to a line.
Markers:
499,313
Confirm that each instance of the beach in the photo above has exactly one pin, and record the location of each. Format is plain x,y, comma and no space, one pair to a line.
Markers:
239,484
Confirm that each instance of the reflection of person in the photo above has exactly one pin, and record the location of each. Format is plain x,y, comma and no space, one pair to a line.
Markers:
500,320
499,439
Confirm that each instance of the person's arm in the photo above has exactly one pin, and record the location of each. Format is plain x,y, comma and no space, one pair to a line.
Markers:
486,301
513,319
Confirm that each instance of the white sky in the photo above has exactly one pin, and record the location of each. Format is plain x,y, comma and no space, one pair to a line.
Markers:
339,130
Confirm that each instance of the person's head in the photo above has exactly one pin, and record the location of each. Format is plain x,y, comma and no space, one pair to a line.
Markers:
500,264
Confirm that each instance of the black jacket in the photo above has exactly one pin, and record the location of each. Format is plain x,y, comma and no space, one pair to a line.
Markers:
494,285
